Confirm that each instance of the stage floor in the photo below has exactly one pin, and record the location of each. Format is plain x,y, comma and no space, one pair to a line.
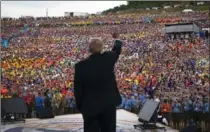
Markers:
73,123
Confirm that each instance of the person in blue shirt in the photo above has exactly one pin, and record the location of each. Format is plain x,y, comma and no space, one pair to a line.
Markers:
147,97
197,108
187,109
39,103
133,104
134,86
176,107
135,94
206,114
206,107
142,97
176,113
122,105
133,101
68,98
73,105
170,82
193,64
128,104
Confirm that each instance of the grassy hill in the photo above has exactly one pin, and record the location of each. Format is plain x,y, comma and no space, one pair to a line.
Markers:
142,5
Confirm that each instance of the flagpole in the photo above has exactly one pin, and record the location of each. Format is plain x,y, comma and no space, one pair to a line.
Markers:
46,12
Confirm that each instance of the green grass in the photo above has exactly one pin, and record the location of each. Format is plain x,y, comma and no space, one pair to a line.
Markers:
203,8
170,10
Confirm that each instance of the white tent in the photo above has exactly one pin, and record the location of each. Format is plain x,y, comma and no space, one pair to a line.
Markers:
187,10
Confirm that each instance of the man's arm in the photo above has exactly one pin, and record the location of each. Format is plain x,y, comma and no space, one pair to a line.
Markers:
77,87
117,49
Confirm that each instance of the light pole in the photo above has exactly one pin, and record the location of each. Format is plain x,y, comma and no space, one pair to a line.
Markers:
47,12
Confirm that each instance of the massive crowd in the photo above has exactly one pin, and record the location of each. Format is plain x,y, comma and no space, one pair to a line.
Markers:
170,69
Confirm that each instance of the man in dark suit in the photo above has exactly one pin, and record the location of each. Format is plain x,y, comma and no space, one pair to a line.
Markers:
95,88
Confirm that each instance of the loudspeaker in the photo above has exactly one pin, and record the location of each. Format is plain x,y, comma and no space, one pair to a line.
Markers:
45,113
147,115
14,105
148,111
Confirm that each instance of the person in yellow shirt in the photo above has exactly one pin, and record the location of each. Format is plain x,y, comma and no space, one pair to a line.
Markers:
56,101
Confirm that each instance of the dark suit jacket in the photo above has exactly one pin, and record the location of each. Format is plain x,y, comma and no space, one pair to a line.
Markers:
95,86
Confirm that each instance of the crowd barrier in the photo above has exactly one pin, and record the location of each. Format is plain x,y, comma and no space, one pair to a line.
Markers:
181,120
176,120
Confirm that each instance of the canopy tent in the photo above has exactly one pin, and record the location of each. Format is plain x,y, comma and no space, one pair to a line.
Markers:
181,28
187,10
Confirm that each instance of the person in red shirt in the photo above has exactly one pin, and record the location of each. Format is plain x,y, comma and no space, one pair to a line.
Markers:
29,103
64,91
5,93
165,108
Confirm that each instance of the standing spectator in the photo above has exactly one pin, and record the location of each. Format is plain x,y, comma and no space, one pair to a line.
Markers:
56,101
73,105
47,101
188,110
29,103
63,104
142,97
176,114
206,114
39,102
128,104
133,104
165,109
122,105
68,103
197,110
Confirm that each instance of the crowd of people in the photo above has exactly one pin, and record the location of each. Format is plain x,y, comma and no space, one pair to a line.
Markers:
172,69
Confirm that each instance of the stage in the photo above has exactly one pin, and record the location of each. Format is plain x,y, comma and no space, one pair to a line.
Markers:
73,123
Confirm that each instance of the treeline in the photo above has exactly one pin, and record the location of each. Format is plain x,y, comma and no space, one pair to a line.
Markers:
133,5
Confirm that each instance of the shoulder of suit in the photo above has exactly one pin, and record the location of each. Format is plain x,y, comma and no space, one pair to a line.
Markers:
108,53
80,63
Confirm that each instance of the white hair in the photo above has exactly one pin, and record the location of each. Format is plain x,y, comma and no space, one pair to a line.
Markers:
94,38
96,45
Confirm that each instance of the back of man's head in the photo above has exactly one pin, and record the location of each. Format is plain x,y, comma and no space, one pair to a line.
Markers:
96,45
